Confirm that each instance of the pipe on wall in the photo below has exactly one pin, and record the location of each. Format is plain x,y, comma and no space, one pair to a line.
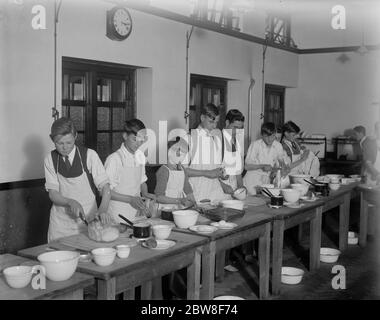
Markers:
251,85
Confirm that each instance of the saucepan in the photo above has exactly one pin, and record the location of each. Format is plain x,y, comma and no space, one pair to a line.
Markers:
320,187
141,229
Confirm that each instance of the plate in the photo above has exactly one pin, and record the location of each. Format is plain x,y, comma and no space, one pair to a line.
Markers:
161,244
204,229
308,199
225,225
293,205
274,207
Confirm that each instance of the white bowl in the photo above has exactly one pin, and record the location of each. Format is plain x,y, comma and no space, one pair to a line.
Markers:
104,256
323,179
233,204
353,238
123,251
329,255
161,231
334,176
185,218
290,275
302,188
268,186
228,298
299,178
59,265
18,276
291,195
334,186
240,193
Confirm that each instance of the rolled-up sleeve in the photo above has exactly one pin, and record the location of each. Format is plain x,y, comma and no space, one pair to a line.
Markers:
96,168
51,179
112,165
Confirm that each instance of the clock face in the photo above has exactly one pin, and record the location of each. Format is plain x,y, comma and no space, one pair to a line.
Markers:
122,22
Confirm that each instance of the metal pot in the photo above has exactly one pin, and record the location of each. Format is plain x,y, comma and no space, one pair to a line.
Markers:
141,230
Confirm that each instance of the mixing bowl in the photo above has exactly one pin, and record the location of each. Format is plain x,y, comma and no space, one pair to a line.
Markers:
59,265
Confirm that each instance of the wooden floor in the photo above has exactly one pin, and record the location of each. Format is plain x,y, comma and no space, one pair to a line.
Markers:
362,266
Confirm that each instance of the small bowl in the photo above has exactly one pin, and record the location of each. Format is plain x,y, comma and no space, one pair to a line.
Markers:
185,218
18,276
59,265
290,275
352,238
329,255
104,256
233,204
161,231
123,251
302,188
240,193
334,186
228,298
291,195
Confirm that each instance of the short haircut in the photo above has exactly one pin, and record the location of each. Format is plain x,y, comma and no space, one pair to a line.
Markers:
290,126
133,126
210,110
173,142
268,128
234,115
62,127
360,129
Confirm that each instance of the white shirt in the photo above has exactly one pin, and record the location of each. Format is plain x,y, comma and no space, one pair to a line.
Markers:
260,153
94,165
113,164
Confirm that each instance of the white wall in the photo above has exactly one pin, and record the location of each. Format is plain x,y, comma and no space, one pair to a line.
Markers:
333,96
155,43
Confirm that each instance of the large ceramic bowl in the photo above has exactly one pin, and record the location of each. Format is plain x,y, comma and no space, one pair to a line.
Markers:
290,275
299,178
302,188
59,265
291,195
233,204
18,276
161,231
185,218
329,255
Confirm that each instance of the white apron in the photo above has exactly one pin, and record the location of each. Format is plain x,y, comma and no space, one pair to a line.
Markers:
130,184
232,162
369,180
79,189
310,166
205,188
174,187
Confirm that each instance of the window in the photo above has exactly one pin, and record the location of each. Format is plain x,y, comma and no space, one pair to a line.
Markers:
99,98
204,90
274,105
278,30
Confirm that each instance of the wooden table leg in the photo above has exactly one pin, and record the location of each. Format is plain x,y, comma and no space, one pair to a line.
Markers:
344,221
157,289
220,261
315,239
146,290
106,289
363,220
278,243
208,271
194,276
264,252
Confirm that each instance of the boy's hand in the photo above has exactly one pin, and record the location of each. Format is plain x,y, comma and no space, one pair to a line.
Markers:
137,203
105,218
75,209
266,167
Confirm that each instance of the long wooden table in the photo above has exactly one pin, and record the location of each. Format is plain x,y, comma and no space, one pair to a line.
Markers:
285,218
341,198
253,225
71,289
368,195
143,266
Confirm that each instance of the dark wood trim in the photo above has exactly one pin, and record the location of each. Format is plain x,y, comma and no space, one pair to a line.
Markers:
80,64
337,49
143,7
24,184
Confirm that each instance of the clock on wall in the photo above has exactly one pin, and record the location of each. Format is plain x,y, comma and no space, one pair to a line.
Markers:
119,23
